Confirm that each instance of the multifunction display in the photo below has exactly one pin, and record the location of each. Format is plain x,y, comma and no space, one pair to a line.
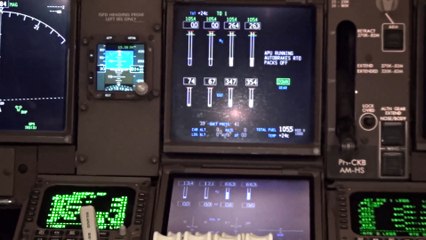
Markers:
33,64
120,67
61,205
243,74
259,206
389,214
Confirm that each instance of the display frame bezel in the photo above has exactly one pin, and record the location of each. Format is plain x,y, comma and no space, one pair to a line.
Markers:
43,182
66,136
420,99
92,46
341,198
171,172
312,149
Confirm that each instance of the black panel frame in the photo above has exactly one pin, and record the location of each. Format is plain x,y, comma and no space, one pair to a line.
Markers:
313,149
67,135
170,172
338,204
420,124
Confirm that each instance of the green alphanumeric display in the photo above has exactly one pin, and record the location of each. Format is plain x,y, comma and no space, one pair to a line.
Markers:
61,207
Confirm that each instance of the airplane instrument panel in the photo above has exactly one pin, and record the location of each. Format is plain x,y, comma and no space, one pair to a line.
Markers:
213,120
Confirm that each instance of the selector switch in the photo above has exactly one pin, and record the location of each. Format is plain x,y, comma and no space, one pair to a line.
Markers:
393,164
393,134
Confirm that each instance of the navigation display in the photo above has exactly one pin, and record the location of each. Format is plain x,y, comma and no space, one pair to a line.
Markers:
389,214
61,205
227,205
239,77
120,67
34,42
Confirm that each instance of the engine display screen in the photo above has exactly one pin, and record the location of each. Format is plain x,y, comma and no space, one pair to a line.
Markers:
61,205
34,42
232,206
238,76
388,214
120,67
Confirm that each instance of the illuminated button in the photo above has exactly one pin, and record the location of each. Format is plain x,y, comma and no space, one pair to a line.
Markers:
343,215
393,164
56,233
41,232
91,55
393,134
342,198
35,193
140,205
139,210
91,78
393,39
104,234
72,233
139,216
132,38
109,38
138,222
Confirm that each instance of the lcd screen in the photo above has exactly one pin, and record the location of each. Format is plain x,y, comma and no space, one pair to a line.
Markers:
227,205
61,205
120,67
34,51
243,74
388,214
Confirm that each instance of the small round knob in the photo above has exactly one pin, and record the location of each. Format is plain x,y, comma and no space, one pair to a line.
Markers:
141,88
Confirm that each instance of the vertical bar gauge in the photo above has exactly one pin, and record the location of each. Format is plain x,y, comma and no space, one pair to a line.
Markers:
211,36
185,192
252,37
210,83
251,83
190,47
248,194
231,36
206,193
231,25
252,25
227,193
190,25
231,83
189,82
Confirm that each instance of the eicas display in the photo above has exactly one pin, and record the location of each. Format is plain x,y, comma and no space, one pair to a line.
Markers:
238,76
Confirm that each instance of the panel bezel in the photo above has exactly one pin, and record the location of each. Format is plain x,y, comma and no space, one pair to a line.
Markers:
313,149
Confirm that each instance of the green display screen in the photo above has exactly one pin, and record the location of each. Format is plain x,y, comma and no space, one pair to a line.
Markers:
60,208
388,214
